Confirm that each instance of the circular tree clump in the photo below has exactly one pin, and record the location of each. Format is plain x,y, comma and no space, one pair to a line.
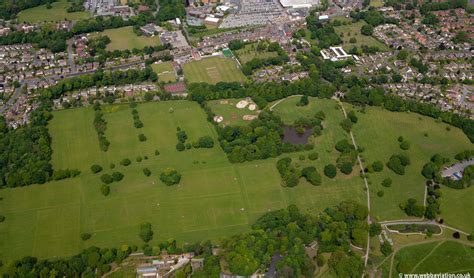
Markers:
142,137
106,178
147,172
330,171
377,166
387,182
96,168
105,190
117,176
313,156
380,193
125,162
170,176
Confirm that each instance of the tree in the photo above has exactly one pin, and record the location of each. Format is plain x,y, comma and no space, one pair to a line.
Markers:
311,175
125,162
405,145
147,172
377,166
170,176
142,137
330,171
375,229
2,218
180,147
105,190
106,178
146,232
303,101
320,260
206,142
367,30
386,248
387,182
346,168
313,156
117,176
346,124
85,236
96,168
411,208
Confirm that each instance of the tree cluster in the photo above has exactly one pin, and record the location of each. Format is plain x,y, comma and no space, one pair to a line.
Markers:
100,126
397,163
170,176
64,174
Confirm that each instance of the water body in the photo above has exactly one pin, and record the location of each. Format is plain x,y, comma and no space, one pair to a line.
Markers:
291,136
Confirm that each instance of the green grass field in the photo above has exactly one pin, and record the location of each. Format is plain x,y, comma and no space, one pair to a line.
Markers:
249,51
165,72
435,257
124,38
215,198
58,12
232,115
457,207
377,131
213,70
353,31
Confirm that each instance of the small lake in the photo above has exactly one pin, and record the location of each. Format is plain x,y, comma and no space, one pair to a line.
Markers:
291,136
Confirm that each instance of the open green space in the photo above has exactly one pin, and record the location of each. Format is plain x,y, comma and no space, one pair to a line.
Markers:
352,30
213,70
249,52
124,38
376,3
377,132
214,198
231,114
457,206
58,12
164,71
434,257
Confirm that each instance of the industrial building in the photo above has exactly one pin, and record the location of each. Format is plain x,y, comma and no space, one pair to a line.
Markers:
299,3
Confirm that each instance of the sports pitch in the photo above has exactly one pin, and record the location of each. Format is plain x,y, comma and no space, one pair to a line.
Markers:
164,71
58,12
215,198
213,70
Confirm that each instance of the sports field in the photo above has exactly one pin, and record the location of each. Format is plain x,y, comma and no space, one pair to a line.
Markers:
249,52
377,131
58,12
434,257
164,71
214,199
213,70
353,31
124,38
231,114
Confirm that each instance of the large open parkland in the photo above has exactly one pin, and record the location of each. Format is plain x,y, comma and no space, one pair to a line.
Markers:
215,198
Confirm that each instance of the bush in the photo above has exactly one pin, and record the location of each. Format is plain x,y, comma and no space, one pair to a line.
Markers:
105,189
387,182
147,172
405,145
125,162
367,30
311,175
146,233
346,168
142,137
2,218
180,147
117,176
302,157
85,236
386,248
456,235
96,168
206,142
170,176
375,229
380,193
106,178
139,159
330,171
320,260
157,152
313,156
112,165
377,166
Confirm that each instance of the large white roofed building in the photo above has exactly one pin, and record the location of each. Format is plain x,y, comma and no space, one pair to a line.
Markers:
299,3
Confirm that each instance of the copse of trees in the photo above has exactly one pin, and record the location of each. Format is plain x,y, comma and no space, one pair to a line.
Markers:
96,168
257,63
289,174
411,208
397,163
64,174
100,126
311,175
170,176
146,232
330,171
10,8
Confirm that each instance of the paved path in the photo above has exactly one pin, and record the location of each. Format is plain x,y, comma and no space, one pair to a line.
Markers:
281,100
422,222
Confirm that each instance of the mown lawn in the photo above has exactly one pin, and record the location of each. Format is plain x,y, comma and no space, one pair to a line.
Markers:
215,198
164,71
212,70
457,207
377,131
249,52
352,30
124,38
58,12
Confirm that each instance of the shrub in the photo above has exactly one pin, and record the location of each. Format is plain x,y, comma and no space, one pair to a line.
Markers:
106,178
456,235
346,168
117,176
320,260
188,146
206,142
380,193
302,157
311,175
170,176
125,162
139,159
2,218
157,152
387,182
96,168
105,189
142,137
146,233
112,165
147,172
330,171
313,156
377,166
180,147
405,145
375,229
386,248
85,236
400,139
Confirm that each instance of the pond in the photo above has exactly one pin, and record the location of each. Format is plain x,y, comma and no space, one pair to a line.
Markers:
291,136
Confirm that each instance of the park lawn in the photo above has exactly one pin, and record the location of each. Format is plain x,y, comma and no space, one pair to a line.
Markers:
376,3
231,114
249,52
58,12
353,31
377,131
457,206
214,198
165,71
435,257
124,38
213,70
